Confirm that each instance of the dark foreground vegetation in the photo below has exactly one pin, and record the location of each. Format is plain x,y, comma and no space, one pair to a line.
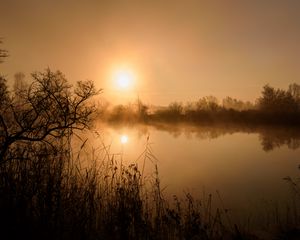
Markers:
44,195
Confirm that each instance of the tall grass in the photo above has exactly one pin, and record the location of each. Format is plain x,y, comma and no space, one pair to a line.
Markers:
46,193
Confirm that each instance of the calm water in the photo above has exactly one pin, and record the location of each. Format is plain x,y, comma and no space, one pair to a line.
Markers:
246,166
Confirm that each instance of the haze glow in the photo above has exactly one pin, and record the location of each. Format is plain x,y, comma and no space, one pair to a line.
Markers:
182,50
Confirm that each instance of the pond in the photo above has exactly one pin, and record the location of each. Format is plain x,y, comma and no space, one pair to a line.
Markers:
244,168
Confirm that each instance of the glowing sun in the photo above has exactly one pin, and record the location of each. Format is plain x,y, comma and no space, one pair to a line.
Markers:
124,79
124,139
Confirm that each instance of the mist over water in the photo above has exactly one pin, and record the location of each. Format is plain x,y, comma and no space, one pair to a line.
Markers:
245,165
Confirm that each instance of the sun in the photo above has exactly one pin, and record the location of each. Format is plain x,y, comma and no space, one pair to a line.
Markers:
124,79
124,139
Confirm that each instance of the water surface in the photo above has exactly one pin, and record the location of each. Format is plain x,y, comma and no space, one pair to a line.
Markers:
246,166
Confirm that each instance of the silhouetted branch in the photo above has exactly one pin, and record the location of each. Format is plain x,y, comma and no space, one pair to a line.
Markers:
45,110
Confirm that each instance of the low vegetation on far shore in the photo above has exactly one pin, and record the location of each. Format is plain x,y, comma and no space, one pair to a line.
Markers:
275,107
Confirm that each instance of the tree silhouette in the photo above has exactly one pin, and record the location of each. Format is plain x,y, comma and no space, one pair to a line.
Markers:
277,101
208,103
44,111
294,90
175,108
235,104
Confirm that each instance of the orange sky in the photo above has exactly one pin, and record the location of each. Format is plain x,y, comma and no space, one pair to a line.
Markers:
178,50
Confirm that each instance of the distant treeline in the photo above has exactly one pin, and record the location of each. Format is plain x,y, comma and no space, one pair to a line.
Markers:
274,106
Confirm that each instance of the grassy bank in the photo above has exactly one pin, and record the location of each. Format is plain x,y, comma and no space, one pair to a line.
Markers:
46,194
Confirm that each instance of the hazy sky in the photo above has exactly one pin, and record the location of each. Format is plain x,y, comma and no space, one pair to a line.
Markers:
177,50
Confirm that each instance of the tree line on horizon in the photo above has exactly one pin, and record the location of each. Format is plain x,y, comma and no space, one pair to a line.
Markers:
272,100
273,106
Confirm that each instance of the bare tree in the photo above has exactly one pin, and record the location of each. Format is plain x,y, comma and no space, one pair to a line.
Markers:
44,111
